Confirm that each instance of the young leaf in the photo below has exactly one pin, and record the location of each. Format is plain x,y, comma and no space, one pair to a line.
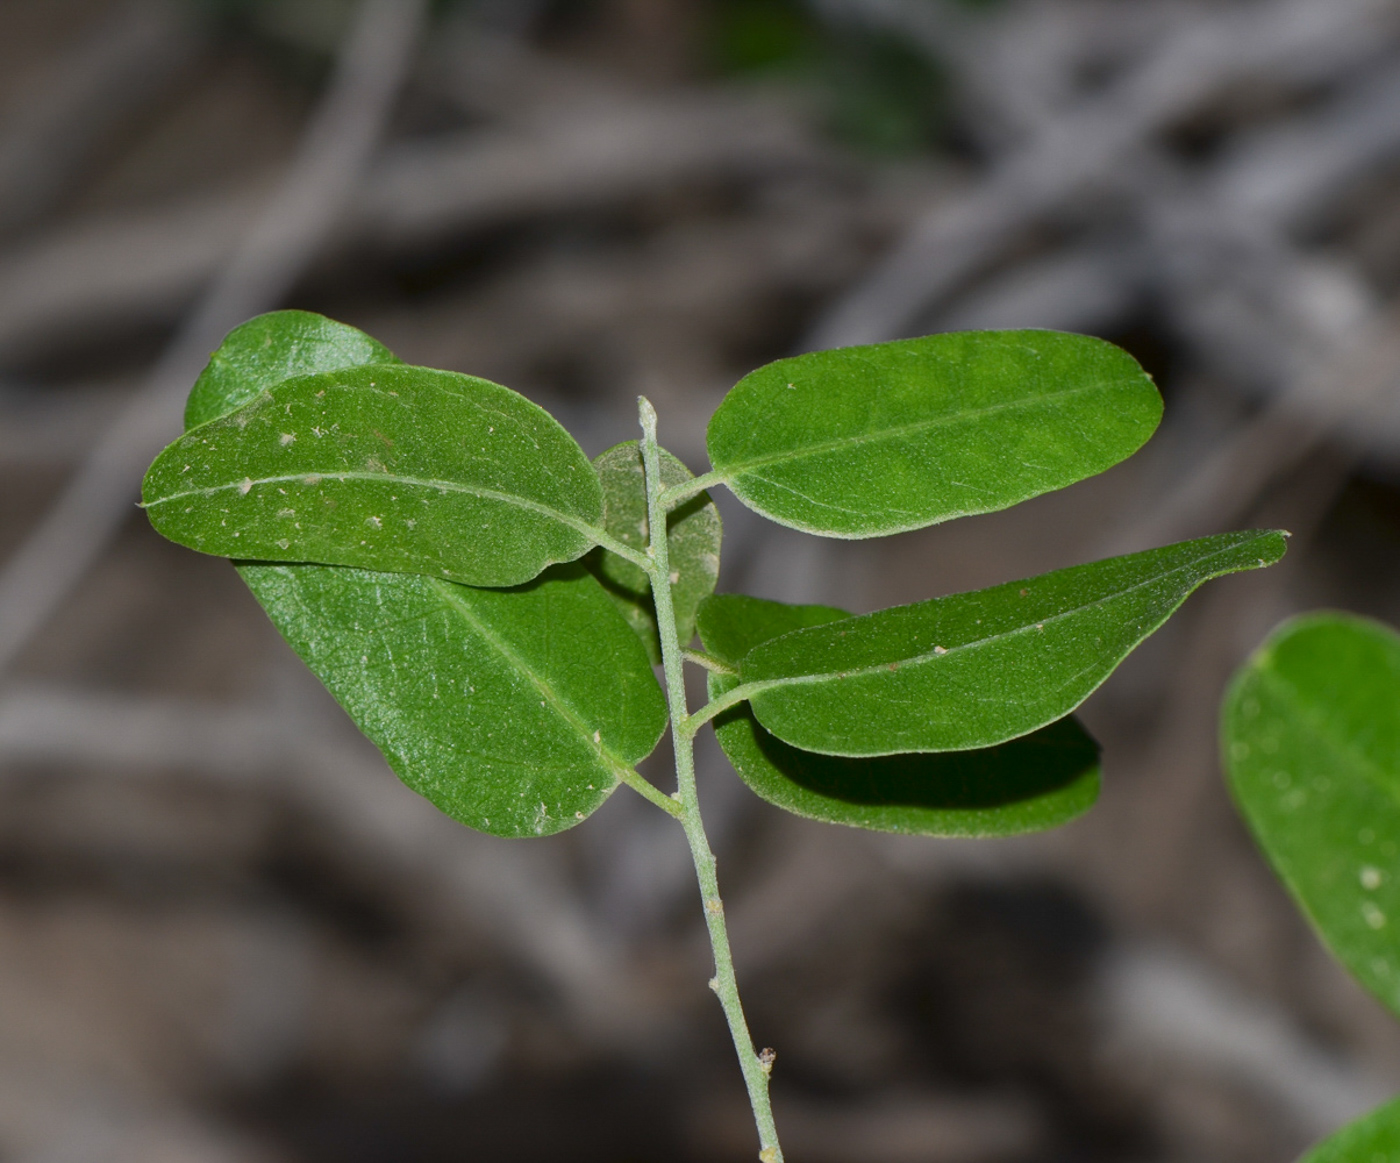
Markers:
1373,1138
385,467
275,347
695,533
975,669
512,710
1040,781
866,441
1311,735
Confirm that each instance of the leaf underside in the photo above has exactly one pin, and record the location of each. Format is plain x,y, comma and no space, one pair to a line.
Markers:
976,669
695,534
1311,737
868,441
467,692
385,467
1373,1138
1029,784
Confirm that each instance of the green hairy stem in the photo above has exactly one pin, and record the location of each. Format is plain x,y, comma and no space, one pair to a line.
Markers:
726,986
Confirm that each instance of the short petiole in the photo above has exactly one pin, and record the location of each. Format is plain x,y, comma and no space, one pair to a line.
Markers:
613,545
650,791
708,661
673,496
697,719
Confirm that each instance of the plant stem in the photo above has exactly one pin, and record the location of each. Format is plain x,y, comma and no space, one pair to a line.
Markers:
739,694
724,983
649,791
673,496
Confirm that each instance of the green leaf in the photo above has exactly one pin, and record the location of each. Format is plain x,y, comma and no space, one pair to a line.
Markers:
975,669
271,348
1040,781
694,530
1373,1138
386,467
511,710
867,441
1311,735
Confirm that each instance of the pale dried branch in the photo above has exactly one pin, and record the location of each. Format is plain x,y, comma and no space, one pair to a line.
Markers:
117,72
143,269
517,892
1087,144
285,236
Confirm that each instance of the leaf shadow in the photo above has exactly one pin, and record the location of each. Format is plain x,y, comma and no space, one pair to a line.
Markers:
1028,768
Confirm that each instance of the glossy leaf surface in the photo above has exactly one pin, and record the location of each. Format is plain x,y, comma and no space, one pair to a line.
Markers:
695,534
511,710
975,669
391,468
1311,735
1373,1138
271,348
867,441
1040,781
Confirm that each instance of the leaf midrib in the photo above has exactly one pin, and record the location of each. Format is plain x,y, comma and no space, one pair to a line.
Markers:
737,468
760,685
560,706
573,522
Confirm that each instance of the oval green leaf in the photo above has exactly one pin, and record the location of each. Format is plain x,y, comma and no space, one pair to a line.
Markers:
468,692
491,757
694,530
1311,736
1030,784
390,468
976,669
868,441
268,349
1373,1138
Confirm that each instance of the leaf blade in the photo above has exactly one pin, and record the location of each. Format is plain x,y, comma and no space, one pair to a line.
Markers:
1311,735
383,467
1041,781
976,669
869,441
466,692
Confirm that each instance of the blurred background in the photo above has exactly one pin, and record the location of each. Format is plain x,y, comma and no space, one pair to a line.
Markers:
228,935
